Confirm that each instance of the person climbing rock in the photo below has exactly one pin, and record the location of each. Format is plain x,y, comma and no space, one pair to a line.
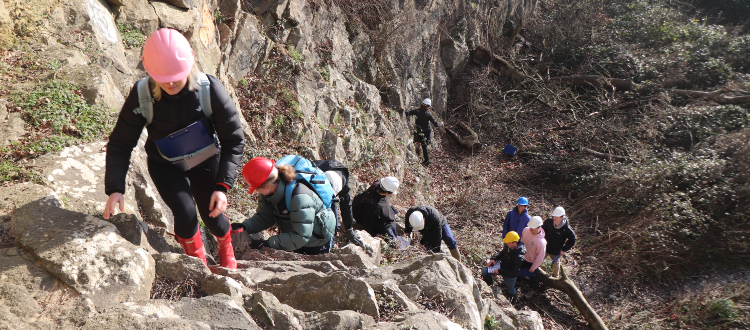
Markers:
560,237
433,227
373,211
188,169
506,263
423,129
533,239
338,175
305,226
517,219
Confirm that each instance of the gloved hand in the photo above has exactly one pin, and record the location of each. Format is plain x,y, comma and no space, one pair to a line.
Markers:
257,244
237,227
353,237
440,124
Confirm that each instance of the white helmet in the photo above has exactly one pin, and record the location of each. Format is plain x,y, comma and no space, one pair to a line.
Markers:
536,222
389,184
335,180
558,212
416,220
427,102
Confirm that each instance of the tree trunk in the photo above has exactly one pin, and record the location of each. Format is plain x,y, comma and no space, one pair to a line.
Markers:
470,141
617,84
713,96
604,156
567,286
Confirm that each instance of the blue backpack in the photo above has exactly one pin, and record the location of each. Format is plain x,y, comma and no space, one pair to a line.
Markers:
311,176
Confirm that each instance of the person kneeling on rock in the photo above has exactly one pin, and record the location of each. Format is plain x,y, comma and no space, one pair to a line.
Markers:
305,227
433,227
506,263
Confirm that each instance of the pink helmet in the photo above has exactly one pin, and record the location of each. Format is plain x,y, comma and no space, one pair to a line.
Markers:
167,56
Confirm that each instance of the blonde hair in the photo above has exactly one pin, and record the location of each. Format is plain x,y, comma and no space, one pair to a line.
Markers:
284,172
192,84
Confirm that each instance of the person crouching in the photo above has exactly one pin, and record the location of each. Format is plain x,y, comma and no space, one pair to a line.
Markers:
506,263
305,228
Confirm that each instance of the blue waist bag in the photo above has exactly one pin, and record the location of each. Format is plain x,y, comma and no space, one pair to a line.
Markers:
188,147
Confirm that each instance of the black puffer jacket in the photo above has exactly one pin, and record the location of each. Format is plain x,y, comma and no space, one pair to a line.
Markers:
510,260
172,113
373,211
434,221
424,118
558,239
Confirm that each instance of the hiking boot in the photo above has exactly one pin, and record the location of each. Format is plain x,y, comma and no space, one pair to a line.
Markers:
426,163
193,246
226,251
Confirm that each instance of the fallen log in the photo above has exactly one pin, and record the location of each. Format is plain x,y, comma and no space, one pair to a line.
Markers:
713,96
485,57
470,141
564,284
604,156
614,83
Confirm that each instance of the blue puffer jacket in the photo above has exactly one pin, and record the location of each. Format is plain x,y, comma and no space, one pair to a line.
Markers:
516,222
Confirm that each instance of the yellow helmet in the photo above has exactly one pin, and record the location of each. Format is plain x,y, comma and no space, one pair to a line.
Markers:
510,237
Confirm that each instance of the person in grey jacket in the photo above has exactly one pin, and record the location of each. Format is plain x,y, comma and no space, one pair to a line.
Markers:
306,227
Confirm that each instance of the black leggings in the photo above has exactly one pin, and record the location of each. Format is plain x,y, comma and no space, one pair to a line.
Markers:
181,191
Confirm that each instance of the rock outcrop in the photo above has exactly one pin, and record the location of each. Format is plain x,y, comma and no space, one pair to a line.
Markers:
351,79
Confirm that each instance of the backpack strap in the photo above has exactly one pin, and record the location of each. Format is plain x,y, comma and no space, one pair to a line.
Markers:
146,108
205,94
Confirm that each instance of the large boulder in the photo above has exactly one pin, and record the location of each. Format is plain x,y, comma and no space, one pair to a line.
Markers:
438,276
313,292
180,267
213,312
84,252
248,48
272,313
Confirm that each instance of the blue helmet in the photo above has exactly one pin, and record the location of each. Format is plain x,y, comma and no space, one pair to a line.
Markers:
523,201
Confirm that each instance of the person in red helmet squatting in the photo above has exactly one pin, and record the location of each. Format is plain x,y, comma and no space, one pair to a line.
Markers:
304,226
194,145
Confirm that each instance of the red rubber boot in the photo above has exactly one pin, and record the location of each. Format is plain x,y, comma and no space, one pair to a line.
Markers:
226,251
193,246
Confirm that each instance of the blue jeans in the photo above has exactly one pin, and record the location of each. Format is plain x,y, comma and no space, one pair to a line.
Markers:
448,238
510,282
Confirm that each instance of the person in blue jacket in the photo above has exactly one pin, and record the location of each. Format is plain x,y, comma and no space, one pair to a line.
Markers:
518,218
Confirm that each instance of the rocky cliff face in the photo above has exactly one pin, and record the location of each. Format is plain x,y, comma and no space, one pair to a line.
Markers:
344,74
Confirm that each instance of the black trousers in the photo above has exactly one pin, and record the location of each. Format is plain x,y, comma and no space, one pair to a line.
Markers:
183,190
422,137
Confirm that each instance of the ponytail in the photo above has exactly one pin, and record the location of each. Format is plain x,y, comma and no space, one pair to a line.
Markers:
286,172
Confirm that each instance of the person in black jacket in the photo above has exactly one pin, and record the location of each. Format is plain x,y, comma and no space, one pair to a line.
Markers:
373,211
510,259
560,237
433,227
423,129
168,59
338,175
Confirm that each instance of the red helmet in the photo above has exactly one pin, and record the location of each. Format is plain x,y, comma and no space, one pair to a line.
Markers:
167,56
256,171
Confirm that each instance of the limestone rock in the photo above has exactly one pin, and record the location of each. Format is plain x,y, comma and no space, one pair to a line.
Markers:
132,230
17,195
97,85
337,291
85,253
213,312
216,284
171,16
248,48
179,267
11,123
427,320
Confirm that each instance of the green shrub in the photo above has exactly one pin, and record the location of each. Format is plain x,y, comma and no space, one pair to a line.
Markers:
721,309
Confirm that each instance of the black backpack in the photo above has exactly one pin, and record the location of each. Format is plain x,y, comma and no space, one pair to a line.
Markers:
332,165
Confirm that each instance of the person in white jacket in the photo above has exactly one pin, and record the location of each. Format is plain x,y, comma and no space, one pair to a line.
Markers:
536,246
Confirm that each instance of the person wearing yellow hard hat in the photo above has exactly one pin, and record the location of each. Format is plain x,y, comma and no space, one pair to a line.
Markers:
506,263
